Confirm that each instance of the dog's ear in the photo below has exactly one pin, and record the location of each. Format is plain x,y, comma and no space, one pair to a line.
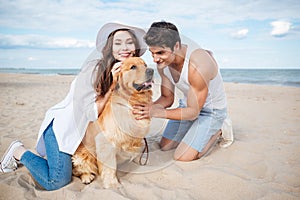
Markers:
117,82
117,86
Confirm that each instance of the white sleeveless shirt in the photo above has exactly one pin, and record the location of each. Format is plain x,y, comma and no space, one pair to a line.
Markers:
216,98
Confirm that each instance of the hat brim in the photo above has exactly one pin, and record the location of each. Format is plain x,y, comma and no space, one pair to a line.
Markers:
110,27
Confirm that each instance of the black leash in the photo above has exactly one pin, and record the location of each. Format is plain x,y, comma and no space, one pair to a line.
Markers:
146,150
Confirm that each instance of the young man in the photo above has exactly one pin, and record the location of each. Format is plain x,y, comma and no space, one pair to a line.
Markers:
196,124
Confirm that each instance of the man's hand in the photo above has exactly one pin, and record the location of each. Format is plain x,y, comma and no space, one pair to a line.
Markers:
146,111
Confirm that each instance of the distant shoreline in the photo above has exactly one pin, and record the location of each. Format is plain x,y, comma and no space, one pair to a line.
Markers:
280,77
54,71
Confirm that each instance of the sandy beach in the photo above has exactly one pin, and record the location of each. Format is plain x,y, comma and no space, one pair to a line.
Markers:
262,163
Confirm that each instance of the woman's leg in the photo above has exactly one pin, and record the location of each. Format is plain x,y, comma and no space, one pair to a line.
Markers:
56,171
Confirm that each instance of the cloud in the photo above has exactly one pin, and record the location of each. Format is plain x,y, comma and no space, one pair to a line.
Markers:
82,19
280,28
68,15
30,58
29,28
39,41
240,34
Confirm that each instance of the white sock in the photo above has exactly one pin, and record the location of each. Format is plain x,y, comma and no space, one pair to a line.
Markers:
19,151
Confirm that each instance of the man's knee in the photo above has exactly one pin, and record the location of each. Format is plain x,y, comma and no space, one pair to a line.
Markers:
184,157
185,153
165,147
166,144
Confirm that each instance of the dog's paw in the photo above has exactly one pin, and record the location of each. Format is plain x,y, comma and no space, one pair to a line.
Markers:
112,184
87,178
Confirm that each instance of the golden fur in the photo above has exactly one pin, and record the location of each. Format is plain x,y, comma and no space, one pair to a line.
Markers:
116,135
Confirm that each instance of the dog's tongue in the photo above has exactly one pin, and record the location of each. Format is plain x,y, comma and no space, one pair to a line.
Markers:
145,85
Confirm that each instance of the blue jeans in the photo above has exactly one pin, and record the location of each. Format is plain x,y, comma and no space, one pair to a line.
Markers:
55,171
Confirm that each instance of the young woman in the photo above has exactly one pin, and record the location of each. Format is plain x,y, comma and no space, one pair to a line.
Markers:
65,123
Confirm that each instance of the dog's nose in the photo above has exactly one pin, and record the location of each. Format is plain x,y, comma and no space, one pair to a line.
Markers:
149,71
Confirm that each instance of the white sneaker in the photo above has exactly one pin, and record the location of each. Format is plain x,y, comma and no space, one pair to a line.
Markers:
227,133
8,163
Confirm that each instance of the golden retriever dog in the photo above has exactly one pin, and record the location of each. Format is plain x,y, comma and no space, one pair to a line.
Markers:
116,136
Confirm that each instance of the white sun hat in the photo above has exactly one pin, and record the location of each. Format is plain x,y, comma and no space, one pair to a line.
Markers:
108,28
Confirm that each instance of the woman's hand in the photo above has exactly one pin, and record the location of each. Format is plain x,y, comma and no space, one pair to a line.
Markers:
116,70
146,111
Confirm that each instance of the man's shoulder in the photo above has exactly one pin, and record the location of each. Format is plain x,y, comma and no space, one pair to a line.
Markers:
199,57
200,62
199,52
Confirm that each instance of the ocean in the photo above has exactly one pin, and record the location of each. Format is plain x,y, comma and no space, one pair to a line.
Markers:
283,77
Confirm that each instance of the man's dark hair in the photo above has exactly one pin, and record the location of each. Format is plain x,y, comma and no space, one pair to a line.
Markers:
162,34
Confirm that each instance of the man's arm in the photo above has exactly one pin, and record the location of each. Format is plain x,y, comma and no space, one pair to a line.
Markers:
167,89
201,70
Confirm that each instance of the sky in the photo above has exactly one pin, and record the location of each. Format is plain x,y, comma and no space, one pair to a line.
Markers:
62,33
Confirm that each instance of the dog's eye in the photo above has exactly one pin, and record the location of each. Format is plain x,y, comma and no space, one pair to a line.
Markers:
133,67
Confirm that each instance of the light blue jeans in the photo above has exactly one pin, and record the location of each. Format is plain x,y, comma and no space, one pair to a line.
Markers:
196,133
55,171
